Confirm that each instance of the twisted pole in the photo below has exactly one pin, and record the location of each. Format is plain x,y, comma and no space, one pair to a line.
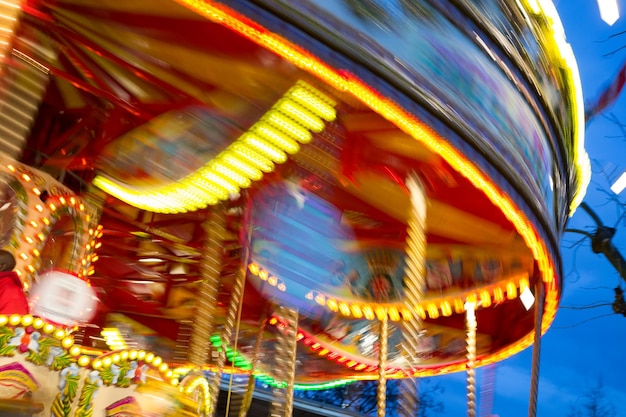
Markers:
233,318
247,399
210,269
381,390
286,348
414,283
470,318
534,377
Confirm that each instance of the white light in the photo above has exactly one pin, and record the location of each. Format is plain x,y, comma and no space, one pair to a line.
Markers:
527,297
151,260
609,12
533,6
619,185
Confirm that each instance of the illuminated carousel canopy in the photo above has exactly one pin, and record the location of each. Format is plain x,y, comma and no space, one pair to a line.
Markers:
327,167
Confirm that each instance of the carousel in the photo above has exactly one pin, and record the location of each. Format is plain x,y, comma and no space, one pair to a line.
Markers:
296,193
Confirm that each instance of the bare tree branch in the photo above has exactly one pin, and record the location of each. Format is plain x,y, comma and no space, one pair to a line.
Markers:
583,322
582,232
593,403
585,307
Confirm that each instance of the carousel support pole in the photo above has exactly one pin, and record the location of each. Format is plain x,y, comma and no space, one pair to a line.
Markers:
381,391
210,268
233,316
282,403
414,282
247,399
23,80
534,377
8,23
470,316
291,335
183,338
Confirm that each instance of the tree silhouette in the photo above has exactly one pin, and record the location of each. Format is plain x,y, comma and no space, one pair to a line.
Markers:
602,243
593,403
360,397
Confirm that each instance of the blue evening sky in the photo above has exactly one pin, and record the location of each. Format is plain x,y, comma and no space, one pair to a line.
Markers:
584,345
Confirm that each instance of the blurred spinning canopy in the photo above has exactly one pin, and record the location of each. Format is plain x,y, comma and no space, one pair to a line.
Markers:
158,104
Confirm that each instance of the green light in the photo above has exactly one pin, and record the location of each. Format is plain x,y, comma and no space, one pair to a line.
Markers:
241,362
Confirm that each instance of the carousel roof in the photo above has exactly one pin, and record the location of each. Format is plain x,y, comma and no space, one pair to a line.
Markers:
147,109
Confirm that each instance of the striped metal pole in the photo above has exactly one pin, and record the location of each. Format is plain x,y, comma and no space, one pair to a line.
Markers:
210,268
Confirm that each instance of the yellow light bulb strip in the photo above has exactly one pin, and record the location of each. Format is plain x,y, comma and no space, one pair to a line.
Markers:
197,386
219,180
283,123
314,102
86,233
80,356
254,159
325,350
279,132
231,174
37,218
240,164
264,148
147,358
278,138
263,275
369,369
429,307
298,112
